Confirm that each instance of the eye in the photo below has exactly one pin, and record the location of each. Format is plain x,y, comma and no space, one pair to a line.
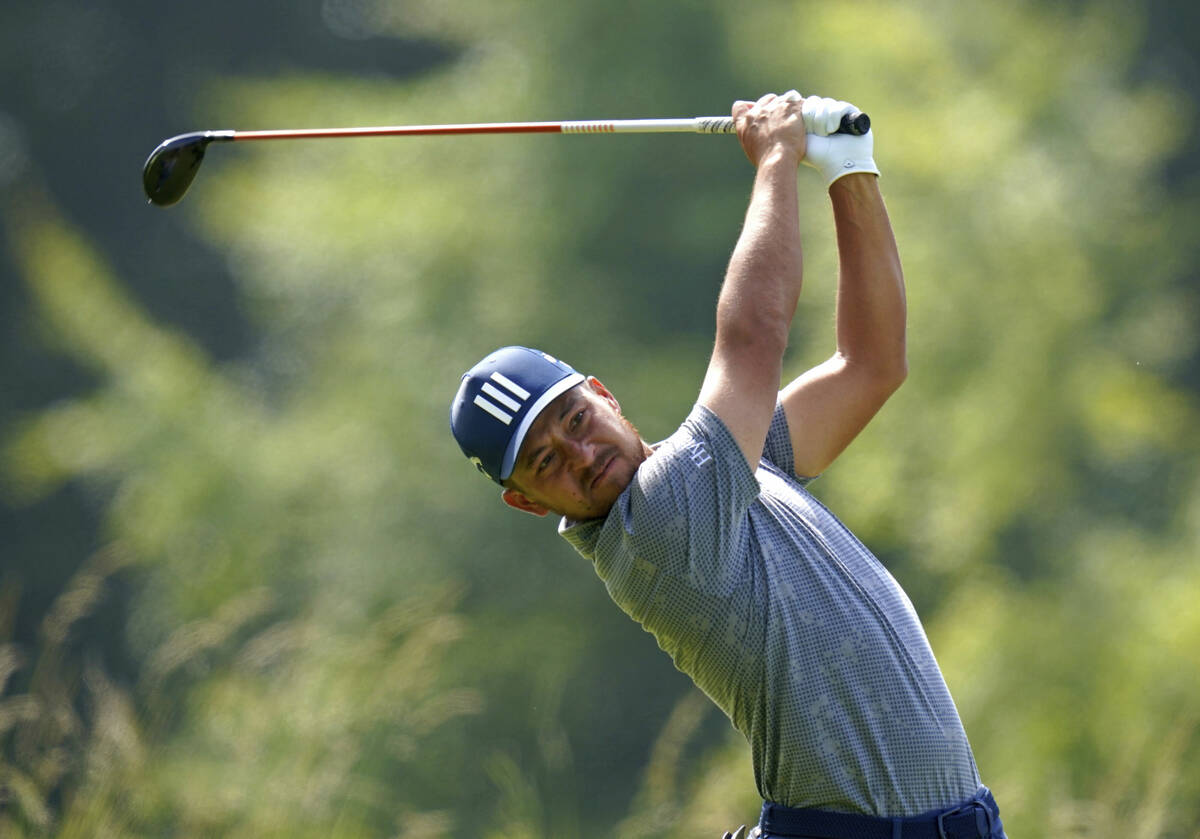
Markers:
577,419
545,461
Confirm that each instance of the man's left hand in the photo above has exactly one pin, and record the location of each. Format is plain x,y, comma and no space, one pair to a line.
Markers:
835,155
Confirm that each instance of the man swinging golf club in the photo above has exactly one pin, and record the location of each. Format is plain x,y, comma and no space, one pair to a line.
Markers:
711,541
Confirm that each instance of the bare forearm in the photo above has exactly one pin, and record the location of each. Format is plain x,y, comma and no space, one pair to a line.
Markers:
871,309
762,284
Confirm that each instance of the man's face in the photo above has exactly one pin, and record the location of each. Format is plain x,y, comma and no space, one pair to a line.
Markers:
579,455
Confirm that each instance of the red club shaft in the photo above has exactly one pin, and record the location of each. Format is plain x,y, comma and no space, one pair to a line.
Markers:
401,130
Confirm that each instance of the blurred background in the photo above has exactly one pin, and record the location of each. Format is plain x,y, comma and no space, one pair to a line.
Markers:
248,585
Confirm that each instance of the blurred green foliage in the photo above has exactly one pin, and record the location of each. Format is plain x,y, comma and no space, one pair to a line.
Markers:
305,615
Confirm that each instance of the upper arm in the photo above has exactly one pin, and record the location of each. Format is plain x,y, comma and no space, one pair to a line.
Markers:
829,405
741,387
756,305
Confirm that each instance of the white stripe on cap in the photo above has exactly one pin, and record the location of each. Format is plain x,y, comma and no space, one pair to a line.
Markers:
516,390
501,397
493,409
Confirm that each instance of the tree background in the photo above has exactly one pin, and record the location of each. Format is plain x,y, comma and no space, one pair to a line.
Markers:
249,586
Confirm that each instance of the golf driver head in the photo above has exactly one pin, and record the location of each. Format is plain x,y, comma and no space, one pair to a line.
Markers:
171,167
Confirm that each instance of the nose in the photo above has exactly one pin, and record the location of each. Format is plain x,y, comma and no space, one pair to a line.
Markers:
579,454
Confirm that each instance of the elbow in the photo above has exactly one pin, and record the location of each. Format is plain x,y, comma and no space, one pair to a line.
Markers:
897,372
887,362
759,330
891,371
761,341
891,377
880,376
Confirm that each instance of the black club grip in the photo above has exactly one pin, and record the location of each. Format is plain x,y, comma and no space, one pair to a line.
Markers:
856,123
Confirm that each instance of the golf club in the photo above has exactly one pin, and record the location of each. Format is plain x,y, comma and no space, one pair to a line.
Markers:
172,166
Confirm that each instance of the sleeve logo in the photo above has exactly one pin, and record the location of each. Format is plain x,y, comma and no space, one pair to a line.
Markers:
698,452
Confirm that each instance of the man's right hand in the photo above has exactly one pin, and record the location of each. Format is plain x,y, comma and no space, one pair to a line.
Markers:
772,125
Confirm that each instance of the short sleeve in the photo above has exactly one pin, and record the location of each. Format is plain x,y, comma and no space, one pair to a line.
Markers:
778,447
685,512
675,552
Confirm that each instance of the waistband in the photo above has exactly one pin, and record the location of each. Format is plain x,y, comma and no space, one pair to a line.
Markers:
976,818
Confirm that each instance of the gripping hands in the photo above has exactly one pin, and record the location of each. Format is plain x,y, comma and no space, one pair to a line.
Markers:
774,120
835,155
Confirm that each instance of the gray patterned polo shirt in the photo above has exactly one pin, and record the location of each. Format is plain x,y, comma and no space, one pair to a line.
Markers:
786,621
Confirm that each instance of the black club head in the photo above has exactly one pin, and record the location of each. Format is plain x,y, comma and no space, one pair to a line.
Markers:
171,167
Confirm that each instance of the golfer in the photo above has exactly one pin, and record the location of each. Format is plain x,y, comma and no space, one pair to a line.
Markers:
710,539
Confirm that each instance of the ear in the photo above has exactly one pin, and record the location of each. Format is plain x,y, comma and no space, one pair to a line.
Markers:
519,501
600,390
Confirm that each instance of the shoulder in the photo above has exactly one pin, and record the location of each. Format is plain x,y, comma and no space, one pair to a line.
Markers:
700,451
695,475
692,492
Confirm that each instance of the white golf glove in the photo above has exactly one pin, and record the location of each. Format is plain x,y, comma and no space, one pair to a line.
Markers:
835,155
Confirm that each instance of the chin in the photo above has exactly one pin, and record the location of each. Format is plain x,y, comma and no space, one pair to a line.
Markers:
616,485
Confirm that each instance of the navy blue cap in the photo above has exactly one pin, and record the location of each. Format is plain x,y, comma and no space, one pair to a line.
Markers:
497,401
